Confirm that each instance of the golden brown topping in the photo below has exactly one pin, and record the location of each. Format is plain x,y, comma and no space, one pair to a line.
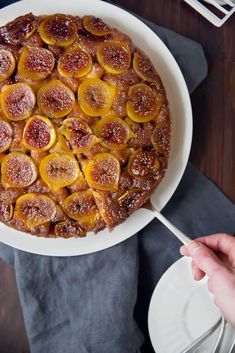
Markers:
144,104
35,209
95,97
55,99
18,170
36,63
144,67
96,72
103,172
20,29
128,78
143,163
75,62
17,101
96,26
114,131
7,64
59,30
5,135
39,134
59,170
114,57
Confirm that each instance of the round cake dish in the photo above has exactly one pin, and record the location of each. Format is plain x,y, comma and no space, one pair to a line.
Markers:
181,117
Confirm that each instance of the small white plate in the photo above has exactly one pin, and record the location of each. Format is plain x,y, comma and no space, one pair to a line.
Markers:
181,115
180,310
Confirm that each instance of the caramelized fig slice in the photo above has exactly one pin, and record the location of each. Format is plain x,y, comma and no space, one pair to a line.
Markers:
18,170
36,63
103,172
6,134
6,211
69,229
143,163
81,207
18,30
7,64
17,101
35,209
39,134
79,135
144,68
59,30
161,138
114,57
75,62
114,131
144,104
55,99
96,97
59,170
96,26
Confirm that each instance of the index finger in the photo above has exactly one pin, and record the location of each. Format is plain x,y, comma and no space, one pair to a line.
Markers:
220,242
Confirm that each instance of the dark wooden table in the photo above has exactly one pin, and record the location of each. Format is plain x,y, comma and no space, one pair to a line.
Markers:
213,148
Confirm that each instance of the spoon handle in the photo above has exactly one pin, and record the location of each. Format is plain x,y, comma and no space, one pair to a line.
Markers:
180,235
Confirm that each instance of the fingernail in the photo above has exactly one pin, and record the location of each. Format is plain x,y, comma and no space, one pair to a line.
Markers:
193,247
182,250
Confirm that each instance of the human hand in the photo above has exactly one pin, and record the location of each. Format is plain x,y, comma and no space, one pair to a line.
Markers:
214,255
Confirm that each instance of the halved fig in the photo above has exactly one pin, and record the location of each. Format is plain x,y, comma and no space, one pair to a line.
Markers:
78,134
81,207
7,64
6,134
69,229
18,170
96,97
143,163
114,131
59,30
133,199
103,172
59,170
74,62
144,67
6,211
35,209
96,72
17,101
114,57
39,134
96,26
18,30
55,99
161,138
36,63
144,104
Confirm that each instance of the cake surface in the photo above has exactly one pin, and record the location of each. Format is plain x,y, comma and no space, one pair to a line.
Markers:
84,125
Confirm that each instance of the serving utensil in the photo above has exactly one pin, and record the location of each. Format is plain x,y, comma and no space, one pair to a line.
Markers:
224,8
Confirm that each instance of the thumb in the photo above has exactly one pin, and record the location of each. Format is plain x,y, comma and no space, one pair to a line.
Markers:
204,258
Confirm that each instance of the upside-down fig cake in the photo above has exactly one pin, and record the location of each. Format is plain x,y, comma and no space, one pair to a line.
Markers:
84,125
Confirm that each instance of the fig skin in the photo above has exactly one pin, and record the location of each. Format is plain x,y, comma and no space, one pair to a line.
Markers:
103,172
74,62
96,97
18,170
59,30
96,26
39,134
17,101
59,170
7,64
114,57
36,63
6,135
55,99
35,209
114,131
143,103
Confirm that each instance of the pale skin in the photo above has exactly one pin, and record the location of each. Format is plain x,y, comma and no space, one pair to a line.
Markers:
214,255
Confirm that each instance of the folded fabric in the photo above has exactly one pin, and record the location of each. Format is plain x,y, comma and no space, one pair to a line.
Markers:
86,304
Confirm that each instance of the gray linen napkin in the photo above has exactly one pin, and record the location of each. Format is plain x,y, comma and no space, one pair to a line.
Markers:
86,304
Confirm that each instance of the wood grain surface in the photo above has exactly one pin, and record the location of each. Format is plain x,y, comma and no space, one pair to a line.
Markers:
213,148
